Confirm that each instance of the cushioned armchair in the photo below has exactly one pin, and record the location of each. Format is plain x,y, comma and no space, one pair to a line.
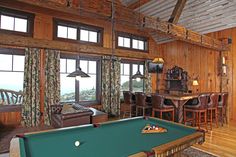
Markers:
60,118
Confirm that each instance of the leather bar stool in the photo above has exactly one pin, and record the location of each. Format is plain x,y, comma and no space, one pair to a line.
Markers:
198,112
128,105
212,112
159,106
141,103
222,108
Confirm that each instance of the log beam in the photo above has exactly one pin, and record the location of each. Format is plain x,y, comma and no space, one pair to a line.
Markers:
137,4
174,18
7,39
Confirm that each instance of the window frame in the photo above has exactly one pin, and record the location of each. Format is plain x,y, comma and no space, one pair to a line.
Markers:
131,37
18,14
98,78
131,63
78,26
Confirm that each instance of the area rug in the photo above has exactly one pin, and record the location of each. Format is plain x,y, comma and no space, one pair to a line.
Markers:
6,134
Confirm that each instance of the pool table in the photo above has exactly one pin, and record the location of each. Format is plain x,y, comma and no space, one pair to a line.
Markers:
119,138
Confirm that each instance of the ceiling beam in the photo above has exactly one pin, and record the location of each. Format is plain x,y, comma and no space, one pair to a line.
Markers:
174,18
137,4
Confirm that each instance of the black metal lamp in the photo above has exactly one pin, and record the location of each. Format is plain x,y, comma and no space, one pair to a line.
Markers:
138,75
78,72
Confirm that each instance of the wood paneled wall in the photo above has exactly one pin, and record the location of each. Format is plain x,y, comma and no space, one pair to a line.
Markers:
203,62
229,82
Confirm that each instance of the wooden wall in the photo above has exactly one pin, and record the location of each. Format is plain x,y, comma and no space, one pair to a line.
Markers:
229,82
203,62
43,29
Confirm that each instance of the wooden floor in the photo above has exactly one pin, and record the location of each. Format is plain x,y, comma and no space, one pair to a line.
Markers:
221,141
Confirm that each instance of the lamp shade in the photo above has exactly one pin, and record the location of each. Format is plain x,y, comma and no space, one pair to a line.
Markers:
78,72
158,60
195,83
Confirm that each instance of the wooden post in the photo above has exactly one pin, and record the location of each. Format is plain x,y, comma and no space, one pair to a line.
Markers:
42,87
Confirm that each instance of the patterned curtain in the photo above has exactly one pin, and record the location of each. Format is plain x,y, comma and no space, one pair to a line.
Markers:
52,82
148,81
111,85
31,88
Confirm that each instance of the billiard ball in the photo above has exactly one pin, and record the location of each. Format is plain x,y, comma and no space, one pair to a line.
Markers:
77,143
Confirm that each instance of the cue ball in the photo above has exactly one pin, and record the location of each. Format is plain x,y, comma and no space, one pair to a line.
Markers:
77,143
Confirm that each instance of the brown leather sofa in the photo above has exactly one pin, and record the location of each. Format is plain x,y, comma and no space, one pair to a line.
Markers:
80,117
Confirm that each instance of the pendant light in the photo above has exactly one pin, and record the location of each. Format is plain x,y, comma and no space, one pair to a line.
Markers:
78,73
138,75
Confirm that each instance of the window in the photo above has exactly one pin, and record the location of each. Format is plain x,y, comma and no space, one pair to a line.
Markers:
131,42
66,32
16,21
77,32
126,71
11,69
84,90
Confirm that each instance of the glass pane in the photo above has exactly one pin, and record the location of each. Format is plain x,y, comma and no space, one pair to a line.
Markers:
126,69
20,25
62,65
72,33
137,85
120,41
61,31
141,69
71,65
92,67
124,82
5,62
121,68
18,63
7,22
84,65
135,69
12,80
126,42
135,44
67,88
87,88
141,45
93,36
83,35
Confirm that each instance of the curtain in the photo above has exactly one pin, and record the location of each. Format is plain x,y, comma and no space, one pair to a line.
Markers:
148,80
52,82
31,88
111,85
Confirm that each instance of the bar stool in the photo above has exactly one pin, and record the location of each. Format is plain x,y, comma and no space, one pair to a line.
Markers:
159,106
199,111
141,103
222,108
212,109
128,104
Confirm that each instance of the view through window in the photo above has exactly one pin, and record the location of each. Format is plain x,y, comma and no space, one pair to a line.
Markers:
128,84
82,90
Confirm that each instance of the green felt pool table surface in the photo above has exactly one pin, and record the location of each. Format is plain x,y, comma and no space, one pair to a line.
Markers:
113,139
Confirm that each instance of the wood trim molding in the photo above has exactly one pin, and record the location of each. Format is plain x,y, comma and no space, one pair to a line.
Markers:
15,40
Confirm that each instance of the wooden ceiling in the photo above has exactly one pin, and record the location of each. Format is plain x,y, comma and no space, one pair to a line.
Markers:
203,16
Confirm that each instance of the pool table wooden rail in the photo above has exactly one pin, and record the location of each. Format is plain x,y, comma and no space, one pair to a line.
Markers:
164,150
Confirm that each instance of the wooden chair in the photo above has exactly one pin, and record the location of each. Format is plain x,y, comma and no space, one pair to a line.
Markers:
128,105
159,106
199,112
222,108
140,99
212,112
